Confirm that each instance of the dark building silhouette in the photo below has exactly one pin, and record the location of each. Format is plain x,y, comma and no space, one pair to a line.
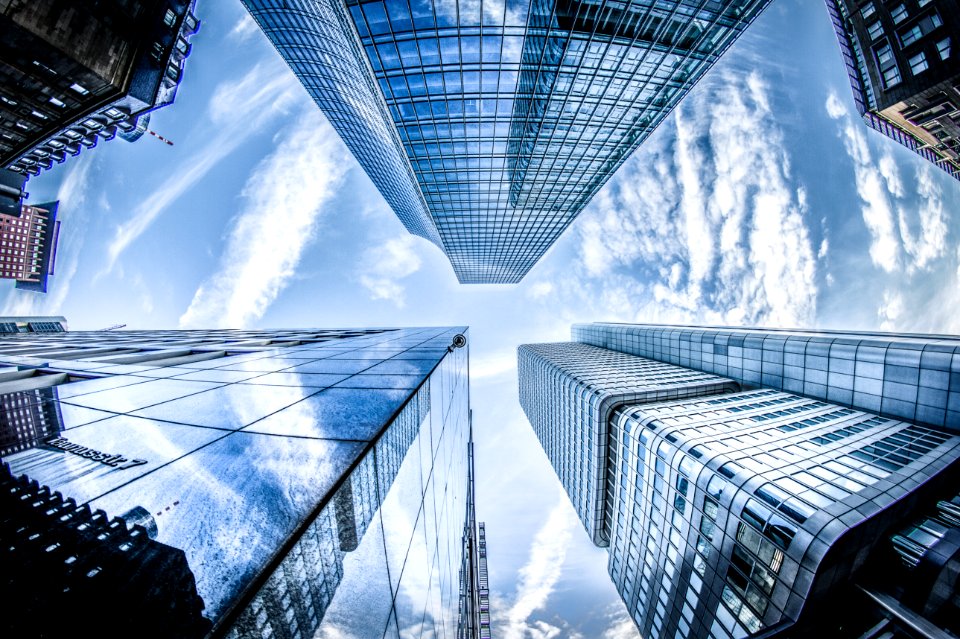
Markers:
65,565
75,73
903,62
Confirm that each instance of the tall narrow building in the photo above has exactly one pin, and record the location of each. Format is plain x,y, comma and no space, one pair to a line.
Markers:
76,73
489,126
28,245
904,69
742,486
288,483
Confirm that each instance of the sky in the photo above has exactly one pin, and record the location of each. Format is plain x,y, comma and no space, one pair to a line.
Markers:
762,200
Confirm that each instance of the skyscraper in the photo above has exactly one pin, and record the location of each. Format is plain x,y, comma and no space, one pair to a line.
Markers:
902,61
738,484
241,483
489,126
75,73
28,245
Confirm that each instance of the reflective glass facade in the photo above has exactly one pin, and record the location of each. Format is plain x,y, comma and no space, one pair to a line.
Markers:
300,482
500,120
730,512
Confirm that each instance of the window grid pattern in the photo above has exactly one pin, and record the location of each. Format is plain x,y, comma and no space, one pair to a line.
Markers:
351,445
317,41
896,376
880,89
568,391
750,506
511,114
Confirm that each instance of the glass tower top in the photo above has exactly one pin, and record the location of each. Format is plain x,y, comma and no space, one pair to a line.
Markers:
488,126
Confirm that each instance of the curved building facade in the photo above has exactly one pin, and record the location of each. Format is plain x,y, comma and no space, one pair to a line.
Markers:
732,507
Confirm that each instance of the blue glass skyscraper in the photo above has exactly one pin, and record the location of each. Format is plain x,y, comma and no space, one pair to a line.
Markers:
228,483
488,126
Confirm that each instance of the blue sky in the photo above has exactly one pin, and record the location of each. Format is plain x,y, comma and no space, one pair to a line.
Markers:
762,200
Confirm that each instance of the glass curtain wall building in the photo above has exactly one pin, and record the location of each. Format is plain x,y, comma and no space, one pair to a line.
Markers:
733,507
288,483
489,126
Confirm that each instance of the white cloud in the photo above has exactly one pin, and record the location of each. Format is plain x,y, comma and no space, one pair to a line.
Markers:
492,364
835,108
385,265
540,290
73,214
284,197
620,625
238,110
539,576
907,233
243,30
824,248
875,186
930,243
706,226
890,310
891,174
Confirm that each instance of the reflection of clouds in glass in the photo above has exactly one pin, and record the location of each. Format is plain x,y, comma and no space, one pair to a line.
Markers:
247,406
469,12
230,505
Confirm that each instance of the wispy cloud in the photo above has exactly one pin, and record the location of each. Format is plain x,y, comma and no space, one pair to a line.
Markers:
930,241
284,197
73,214
238,110
907,233
243,30
495,364
873,187
706,225
619,624
890,310
385,265
539,577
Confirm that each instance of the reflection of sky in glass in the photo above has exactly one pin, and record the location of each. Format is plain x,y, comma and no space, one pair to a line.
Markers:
230,505
234,468
509,115
417,530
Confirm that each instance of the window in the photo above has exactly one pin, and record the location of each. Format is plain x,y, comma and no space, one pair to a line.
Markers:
898,13
887,64
943,48
918,63
79,88
169,18
37,63
875,30
55,102
911,35
868,10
